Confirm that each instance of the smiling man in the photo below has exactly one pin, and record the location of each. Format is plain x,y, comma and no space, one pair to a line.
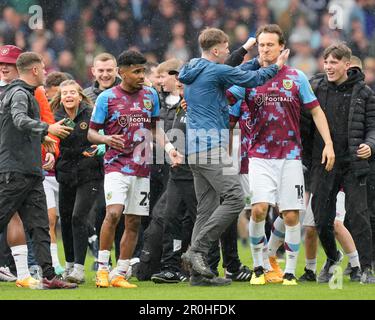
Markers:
349,106
127,113
105,72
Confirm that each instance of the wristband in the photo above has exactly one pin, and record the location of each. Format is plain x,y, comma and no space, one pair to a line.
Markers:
168,147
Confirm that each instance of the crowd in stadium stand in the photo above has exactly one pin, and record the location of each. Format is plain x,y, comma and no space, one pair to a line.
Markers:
162,29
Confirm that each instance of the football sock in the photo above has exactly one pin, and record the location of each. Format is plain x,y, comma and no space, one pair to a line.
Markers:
54,255
103,259
277,236
292,242
19,254
311,264
257,236
353,259
266,260
123,266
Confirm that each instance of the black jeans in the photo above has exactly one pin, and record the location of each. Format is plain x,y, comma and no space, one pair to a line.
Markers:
75,203
158,183
97,216
25,194
371,204
152,246
179,218
325,186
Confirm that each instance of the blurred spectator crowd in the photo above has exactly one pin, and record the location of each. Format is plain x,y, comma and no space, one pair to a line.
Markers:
76,30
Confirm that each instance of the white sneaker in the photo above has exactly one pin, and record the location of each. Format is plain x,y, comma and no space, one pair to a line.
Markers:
6,275
76,277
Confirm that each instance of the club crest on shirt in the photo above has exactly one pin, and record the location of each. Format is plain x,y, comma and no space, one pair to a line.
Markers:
147,104
287,84
83,125
109,195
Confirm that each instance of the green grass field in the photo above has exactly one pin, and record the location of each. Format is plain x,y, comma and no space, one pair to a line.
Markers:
238,290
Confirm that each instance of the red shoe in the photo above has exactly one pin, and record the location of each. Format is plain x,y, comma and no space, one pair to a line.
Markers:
57,283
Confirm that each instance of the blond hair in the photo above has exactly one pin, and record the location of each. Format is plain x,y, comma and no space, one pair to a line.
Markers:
168,65
56,101
210,37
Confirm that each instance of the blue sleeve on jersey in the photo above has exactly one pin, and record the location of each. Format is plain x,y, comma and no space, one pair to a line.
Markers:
100,111
156,104
306,93
237,92
235,110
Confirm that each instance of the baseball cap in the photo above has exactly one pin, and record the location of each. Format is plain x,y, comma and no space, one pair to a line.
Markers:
9,54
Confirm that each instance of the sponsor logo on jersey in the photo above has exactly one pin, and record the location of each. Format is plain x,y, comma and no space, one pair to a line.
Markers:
136,107
123,121
259,99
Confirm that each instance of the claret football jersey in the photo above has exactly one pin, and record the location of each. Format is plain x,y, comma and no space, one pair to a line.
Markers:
118,112
274,114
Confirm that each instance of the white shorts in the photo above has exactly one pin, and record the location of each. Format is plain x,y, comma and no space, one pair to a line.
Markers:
309,221
244,179
130,191
51,189
277,182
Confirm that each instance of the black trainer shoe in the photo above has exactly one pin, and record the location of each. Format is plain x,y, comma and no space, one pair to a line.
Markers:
325,274
243,274
367,276
309,275
289,279
168,277
355,274
200,265
348,270
209,282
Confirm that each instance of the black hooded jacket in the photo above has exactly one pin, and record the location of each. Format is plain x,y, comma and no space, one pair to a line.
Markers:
21,131
350,111
94,91
72,167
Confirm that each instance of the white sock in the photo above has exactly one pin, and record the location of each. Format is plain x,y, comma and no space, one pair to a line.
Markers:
292,242
311,264
79,268
354,259
266,260
54,255
277,236
123,266
103,259
257,236
19,254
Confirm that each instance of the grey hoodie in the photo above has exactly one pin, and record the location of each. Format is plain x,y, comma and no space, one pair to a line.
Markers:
21,130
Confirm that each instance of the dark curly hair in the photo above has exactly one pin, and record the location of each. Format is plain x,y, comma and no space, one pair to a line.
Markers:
130,57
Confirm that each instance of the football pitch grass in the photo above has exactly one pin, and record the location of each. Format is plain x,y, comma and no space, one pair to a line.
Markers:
183,291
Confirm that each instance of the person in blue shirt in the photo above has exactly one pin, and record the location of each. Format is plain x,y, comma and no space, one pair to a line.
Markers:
220,197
